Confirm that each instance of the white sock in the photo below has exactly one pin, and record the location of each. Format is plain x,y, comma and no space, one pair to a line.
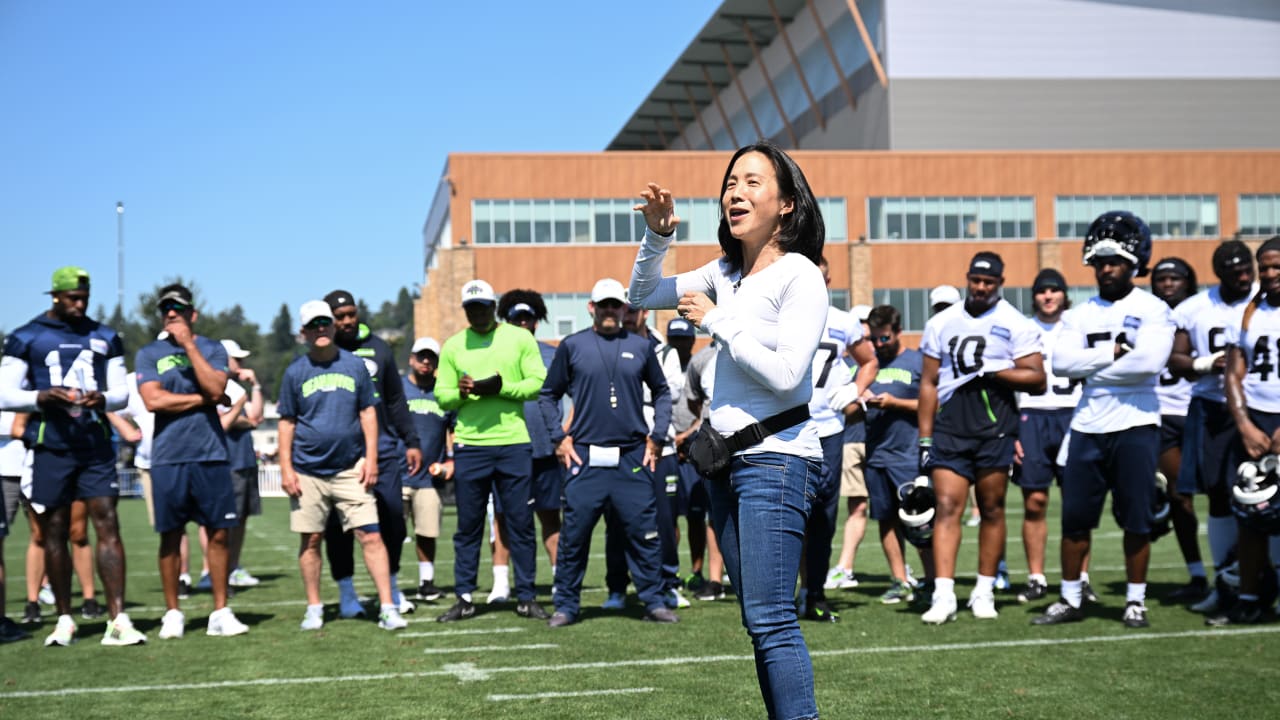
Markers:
986,585
500,576
942,587
465,597
185,577
553,569
1136,592
1196,569
1222,539
426,571
1084,577
315,610
1037,577
347,588
388,608
1072,592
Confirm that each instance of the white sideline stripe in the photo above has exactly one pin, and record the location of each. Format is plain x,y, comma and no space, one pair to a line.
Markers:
580,693
488,648
443,633
467,671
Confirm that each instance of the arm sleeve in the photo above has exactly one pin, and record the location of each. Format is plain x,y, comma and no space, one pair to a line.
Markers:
117,394
397,406
13,374
532,372
557,382
661,391
1149,356
446,390
802,314
649,289
1072,358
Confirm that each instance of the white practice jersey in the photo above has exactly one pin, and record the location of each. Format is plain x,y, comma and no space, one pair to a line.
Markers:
1174,393
968,346
1206,318
1118,394
841,331
1260,343
1060,392
12,452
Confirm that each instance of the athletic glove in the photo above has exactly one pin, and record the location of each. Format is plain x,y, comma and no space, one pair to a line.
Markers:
488,386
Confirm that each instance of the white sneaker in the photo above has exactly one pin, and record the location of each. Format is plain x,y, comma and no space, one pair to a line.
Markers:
45,595
240,578
983,606
389,619
405,606
840,579
120,631
973,521
64,633
676,600
1211,603
499,594
173,625
224,623
943,610
313,619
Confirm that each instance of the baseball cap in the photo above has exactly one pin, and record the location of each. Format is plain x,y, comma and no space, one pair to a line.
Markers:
679,327
1049,278
860,312
478,291
944,295
69,278
608,289
313,309
176,293
234,350
987,264
426,343
520,308
339,298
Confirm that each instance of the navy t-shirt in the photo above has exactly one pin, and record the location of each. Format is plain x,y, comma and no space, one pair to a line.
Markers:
892,435
193,435
325,400
59,354
856,431
539,438
433,425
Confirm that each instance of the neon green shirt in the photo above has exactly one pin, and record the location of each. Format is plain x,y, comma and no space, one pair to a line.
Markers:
493,420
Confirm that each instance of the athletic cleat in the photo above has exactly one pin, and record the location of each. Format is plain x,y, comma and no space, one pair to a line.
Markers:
1002,581
499,594
121,632
240,578
1244,612
64,633
898,592
313,619
205,584
983,606
973,521
45,596
1193,591
694,583
1210,604
184,587
1087,594
820,611
224,623
711,591
390,619
840,579
532,610
461,610
1135,615
173,625
662,615
559,619
674,599
31,614
10,632
943,610
1058,613
615,601
350,607
1034,591
91,610
428,591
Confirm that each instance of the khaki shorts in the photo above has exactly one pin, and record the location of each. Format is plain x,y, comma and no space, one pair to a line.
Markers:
144,477
853,483
344,492
426,510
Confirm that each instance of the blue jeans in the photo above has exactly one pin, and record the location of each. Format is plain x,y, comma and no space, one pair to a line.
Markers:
759,514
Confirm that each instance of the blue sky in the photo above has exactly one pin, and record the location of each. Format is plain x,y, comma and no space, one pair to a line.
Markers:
272,151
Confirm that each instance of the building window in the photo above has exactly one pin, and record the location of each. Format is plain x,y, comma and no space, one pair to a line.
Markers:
1259,215
951,218
1167,215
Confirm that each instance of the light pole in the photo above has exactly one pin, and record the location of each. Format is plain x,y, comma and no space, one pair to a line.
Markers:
120,255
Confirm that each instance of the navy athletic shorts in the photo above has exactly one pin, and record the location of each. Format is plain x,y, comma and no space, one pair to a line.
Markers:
1207,439
883,486
1122,462
697,501
199,492
1041,434
1171,429
965,456
548,483
60,477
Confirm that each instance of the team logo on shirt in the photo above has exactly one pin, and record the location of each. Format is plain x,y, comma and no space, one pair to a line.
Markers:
328,382
172,362
98,345
1132,322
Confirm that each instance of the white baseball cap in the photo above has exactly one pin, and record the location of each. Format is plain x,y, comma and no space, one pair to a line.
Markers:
313,309
478,291
234,350
425,343
608,289
944,295
860,312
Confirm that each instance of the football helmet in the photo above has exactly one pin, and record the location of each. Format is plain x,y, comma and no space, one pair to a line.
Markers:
1119,233
1161,518
916,509
1255,498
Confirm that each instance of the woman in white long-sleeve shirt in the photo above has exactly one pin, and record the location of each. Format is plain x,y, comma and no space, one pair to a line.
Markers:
764,303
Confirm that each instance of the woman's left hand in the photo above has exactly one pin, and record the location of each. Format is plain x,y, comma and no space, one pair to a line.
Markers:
694,306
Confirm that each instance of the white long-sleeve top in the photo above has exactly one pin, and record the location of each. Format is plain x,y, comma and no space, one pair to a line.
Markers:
767,325
1118,394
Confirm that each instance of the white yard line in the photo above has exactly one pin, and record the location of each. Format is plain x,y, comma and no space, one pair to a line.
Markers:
580,693
445,633
488,648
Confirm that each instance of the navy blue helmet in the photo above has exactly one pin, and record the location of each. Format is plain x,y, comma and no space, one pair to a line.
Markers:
1119,233
916,510
1255,498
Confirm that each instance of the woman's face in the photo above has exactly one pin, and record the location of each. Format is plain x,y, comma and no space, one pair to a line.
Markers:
752,203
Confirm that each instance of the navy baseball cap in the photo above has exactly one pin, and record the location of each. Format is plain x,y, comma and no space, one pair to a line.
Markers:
679,327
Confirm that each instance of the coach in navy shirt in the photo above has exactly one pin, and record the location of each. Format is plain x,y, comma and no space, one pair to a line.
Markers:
609,452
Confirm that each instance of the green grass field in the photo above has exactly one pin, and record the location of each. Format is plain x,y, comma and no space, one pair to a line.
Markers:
880,661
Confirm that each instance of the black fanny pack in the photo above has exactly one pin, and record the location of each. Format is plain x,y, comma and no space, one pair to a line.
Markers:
710,452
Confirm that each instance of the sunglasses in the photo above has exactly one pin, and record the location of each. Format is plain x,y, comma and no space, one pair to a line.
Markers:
173,305
318,324
883,338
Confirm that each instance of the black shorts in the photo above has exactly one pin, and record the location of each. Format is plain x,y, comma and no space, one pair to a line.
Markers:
966,456
884,486
1207,439
245,483
199,492
1041,434
1171,429
548,483
60,477
697,501
1122,462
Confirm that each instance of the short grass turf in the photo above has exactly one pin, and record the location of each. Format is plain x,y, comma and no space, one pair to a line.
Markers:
878,661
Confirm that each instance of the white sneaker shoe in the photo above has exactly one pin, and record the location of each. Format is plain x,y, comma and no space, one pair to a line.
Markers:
405,606
499,594
45,596
240,578
173,625
389,619
224,623
840,579
64,633
120,631
313,619
983,606
943,610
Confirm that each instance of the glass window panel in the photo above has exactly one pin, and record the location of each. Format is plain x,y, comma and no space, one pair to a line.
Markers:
875,219
893,204
840,299
523,231
911,209
1062,209
637,226
563,231
1026,229
835,219
990,229
541,209
933,226
581,210
483,232
542,231
1066,229
1248,211
501,221
581,231
917,305
1266,216
893,226
480,210
621,227
604,227
1209,212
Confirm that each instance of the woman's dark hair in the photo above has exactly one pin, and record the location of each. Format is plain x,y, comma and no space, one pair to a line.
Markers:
532,298
802,230
881,315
